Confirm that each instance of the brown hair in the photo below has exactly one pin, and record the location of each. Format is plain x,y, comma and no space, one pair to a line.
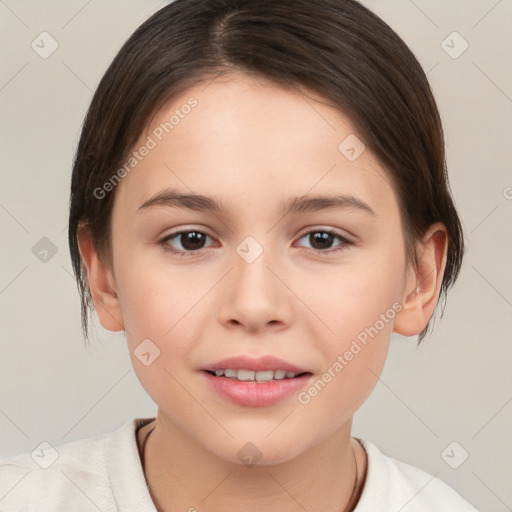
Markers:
336,48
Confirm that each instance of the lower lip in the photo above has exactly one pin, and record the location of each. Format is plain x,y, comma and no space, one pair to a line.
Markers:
256,394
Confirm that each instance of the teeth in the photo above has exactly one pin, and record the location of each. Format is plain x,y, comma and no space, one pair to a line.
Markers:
279,374
264,376
245,375
259,376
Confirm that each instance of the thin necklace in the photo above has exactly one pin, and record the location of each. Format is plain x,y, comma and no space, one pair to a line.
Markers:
143,459
349,507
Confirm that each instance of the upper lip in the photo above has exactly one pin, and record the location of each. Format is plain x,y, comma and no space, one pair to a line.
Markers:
256,364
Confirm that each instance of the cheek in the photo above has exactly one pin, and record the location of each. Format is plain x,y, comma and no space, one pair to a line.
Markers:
353,358
357,305
355,296
163,303
158,308
156,296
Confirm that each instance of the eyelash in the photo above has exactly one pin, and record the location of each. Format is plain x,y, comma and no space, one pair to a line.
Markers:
342,246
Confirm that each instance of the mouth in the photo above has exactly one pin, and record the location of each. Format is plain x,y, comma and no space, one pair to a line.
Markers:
260,376
255,382
262,369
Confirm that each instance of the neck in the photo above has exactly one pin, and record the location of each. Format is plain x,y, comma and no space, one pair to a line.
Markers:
183,475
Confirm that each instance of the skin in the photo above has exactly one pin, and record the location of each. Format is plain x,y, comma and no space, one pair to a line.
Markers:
253,144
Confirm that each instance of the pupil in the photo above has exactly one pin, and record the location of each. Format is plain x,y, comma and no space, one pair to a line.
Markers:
325,239
192,240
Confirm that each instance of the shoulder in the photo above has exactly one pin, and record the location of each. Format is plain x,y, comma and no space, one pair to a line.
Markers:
392,485
74,475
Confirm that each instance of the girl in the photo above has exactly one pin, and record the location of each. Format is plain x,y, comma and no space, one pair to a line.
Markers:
259,200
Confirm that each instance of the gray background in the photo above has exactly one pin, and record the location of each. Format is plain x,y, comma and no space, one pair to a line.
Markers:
456,388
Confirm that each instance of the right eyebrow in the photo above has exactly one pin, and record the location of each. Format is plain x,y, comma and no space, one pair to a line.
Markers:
175,199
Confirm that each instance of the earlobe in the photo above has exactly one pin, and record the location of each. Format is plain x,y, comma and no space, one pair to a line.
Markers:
101,283
423,283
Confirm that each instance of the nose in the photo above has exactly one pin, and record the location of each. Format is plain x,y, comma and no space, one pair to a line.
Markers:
254,295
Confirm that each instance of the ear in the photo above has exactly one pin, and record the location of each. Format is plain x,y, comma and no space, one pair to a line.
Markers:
101,283
423,283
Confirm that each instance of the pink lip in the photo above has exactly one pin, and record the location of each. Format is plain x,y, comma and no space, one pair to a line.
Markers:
256,394
255,364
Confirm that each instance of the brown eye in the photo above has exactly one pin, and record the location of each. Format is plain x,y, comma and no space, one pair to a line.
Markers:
321,240
190,241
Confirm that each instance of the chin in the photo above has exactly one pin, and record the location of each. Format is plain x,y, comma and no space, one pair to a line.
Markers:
258,452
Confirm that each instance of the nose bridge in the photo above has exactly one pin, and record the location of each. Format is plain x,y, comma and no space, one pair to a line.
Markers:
252,274
255,296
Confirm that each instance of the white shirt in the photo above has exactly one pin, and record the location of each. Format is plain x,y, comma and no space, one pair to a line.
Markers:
104,472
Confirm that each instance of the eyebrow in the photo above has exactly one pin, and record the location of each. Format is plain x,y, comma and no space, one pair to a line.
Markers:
299,204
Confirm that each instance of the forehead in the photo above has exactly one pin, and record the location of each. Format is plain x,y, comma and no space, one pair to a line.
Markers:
245,137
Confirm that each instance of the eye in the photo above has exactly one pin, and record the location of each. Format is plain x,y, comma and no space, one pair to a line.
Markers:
321,239
191,242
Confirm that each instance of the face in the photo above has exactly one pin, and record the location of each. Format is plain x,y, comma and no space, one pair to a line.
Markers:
317,287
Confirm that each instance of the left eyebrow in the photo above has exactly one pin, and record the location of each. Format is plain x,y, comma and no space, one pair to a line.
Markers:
307,204
298,204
